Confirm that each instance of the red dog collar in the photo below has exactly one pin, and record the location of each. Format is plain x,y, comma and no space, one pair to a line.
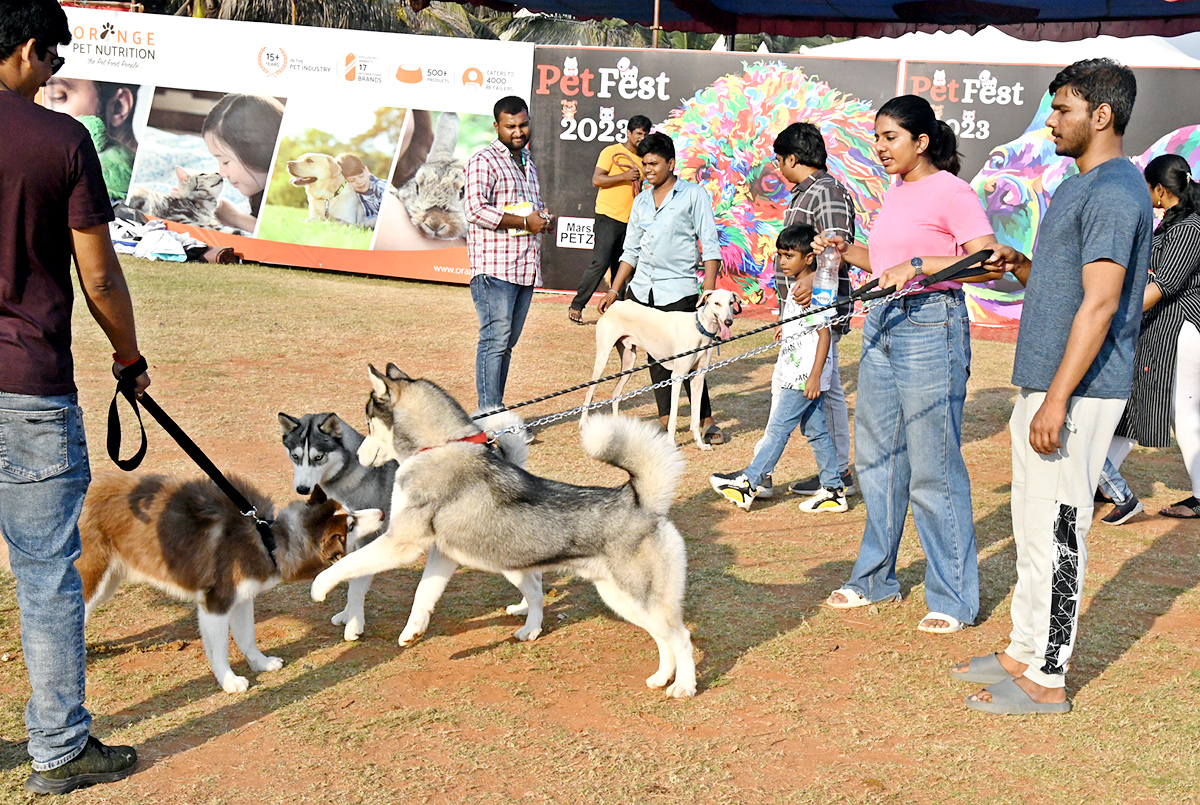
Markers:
478,438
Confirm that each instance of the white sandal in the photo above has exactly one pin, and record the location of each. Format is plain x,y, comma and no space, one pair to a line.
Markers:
955,624
854,600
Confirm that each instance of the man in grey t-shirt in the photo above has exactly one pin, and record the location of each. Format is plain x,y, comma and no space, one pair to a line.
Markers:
1074,364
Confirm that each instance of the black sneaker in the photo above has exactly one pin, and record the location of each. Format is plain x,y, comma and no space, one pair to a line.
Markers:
735,486
97,763
811,486
766,490
1100,497
1121,512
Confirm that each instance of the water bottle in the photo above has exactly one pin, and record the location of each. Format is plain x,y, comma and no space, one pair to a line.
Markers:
825,283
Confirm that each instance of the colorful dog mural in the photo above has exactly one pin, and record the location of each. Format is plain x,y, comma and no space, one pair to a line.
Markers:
724,138
1016,185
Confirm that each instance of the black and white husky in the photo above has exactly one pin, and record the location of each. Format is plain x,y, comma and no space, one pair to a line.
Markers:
324,451
458,495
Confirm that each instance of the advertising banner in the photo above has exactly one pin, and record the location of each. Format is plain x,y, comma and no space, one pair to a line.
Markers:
999,113
723,111
293,145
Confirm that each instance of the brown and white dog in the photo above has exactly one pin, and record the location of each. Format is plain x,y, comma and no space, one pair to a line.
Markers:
189,540
324,182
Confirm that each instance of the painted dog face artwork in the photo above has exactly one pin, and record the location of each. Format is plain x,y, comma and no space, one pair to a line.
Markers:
724,139
1016,185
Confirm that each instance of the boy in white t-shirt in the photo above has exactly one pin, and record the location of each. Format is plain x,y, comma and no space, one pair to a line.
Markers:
802,375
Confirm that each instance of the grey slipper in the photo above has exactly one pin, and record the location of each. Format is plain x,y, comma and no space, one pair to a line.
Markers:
983,671
1010,699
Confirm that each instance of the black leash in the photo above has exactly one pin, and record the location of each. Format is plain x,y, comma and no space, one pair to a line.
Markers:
866,293
126,388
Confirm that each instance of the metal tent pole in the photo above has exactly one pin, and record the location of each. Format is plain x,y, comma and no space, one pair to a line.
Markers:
654,30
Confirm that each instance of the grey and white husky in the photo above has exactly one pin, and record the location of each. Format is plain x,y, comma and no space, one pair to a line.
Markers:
324,451
484,512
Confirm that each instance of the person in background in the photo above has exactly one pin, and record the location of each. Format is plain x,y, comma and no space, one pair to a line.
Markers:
106,110
618,179
1074,366
671,229
912,376
240,131
53,204
506,218
370,188
1166,372
800,380
822,202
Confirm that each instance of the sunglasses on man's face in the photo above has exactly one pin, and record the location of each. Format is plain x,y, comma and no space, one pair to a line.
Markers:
56,61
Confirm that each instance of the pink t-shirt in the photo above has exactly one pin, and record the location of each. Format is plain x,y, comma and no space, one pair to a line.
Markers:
932,217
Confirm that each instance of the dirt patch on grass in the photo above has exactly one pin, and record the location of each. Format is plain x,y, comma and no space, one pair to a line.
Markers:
797,703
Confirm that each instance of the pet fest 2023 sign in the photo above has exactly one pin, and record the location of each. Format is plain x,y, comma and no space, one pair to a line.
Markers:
999,113
257,150
723,111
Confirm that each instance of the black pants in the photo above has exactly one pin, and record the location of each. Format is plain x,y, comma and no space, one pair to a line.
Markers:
658,372
608,240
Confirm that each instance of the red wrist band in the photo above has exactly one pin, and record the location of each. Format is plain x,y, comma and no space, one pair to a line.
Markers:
130,362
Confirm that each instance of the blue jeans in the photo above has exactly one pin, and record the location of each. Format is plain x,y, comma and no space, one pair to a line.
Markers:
795,409
1113,485
501,307
912,383
44,475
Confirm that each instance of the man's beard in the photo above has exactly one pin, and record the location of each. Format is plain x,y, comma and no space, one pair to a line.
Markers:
1074,143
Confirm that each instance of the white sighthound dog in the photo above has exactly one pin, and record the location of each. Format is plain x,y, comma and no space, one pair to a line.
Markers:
329,197
628,325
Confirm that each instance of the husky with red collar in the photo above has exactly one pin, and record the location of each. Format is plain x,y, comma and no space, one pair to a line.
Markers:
458,494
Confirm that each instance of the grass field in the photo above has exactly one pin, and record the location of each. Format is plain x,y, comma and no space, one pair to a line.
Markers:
291,225
797,702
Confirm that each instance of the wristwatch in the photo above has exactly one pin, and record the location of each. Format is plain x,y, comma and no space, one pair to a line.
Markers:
917,264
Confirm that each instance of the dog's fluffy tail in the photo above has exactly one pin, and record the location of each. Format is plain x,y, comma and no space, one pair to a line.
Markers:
643,450
512,445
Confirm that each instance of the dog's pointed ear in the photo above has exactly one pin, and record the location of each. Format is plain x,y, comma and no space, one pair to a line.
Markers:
378,381
331,426
288,423
317,497
703,299
394,373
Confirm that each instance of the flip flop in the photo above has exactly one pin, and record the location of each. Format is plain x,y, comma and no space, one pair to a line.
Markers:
855,600
1191,504
955,624
575,315
1010,699
713,435
983,671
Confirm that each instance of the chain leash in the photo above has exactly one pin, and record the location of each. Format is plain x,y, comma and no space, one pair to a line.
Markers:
828,323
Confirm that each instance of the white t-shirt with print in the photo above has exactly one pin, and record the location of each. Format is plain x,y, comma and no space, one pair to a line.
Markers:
798,352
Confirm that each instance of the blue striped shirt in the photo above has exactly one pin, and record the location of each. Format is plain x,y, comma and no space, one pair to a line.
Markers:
665,245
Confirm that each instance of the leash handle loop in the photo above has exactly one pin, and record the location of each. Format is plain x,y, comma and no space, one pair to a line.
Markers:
126,380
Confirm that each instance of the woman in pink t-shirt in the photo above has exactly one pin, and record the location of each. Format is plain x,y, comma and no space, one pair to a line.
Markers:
912,378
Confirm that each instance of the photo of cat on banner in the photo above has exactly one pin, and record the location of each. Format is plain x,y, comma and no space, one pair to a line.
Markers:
204,158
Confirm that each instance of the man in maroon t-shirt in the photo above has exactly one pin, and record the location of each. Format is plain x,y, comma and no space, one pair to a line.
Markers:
53,203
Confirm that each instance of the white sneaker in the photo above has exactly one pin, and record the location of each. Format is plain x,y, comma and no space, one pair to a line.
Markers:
827,500
734,487
766,490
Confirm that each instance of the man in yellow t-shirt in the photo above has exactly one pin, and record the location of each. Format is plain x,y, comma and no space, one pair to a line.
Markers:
618,177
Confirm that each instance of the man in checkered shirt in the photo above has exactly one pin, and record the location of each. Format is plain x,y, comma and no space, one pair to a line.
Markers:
820,201
506,217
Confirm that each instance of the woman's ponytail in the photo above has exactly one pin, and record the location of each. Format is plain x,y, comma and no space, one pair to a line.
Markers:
914,114
943,149
1173,172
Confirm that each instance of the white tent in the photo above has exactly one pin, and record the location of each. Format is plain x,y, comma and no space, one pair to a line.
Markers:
995,47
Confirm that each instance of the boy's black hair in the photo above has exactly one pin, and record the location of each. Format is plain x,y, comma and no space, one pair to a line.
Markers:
40,20
657,143
797,238
639,123
509,105
1100,81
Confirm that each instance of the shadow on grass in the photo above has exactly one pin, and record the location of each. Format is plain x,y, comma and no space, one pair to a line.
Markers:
1125,608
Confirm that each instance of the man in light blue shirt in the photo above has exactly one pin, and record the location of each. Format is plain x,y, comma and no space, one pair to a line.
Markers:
671,230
